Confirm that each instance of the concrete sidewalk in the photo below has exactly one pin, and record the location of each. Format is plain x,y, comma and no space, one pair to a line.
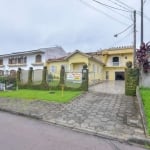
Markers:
113,87
108,115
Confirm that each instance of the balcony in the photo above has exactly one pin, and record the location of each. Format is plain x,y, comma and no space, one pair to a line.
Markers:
115,63
38,64
17,65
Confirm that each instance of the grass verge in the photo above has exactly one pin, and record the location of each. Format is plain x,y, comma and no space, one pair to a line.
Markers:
145,94
55,96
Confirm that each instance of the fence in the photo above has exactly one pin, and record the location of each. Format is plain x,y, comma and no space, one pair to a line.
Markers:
7,83
72,79
36,76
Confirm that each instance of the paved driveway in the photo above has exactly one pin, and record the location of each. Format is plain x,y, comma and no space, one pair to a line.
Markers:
111,87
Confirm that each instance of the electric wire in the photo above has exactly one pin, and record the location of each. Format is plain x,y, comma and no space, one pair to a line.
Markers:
127,6
110,6
145,16
118,5
115,11
100,11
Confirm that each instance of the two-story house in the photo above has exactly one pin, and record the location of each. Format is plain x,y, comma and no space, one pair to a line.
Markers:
9,63
115,62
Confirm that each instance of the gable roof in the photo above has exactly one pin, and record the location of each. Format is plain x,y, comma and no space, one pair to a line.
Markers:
75,52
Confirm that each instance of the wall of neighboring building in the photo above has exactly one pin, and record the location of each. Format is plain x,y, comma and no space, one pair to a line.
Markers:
30,62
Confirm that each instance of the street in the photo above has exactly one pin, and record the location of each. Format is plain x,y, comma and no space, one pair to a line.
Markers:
21,133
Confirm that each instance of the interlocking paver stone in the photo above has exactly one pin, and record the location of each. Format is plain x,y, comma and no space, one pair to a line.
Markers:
95,112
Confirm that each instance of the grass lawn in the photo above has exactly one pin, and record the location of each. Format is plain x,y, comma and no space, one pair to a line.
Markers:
67,83
145,94
57,96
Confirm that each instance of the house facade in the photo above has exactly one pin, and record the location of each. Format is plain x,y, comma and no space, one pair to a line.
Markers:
115,62
74,62
107,64
9,63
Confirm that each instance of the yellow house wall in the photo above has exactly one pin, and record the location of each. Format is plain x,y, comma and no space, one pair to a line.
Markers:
77,61
124,55
95,71
76,58
123,58
112,72
58,67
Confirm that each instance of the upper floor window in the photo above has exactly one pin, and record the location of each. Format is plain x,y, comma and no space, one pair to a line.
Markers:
38,58
115,61
17,60
1,61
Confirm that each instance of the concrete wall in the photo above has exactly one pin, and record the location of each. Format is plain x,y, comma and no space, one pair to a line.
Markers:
145,79
37,75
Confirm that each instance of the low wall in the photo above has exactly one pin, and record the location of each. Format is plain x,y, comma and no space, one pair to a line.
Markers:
145,79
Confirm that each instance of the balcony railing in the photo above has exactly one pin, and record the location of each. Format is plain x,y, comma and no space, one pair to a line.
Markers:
115,63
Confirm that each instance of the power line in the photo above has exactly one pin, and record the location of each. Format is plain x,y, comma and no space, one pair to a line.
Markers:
127,6
115,11
100,11
110,6
145,16
118,4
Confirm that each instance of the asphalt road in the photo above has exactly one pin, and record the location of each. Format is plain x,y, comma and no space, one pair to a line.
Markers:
21,133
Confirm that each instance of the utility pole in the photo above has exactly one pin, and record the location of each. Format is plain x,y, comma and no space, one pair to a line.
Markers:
141,21
134,37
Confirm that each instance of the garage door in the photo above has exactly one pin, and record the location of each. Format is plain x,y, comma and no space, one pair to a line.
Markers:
119,75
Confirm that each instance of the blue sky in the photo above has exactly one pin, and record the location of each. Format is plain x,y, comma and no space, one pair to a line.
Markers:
72,24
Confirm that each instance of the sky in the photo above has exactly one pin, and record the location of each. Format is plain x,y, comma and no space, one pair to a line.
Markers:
72,24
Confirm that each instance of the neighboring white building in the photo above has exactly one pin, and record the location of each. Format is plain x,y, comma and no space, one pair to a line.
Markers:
9,63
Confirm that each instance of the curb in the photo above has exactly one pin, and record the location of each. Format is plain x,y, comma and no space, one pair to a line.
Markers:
142,111
140,141
21,114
